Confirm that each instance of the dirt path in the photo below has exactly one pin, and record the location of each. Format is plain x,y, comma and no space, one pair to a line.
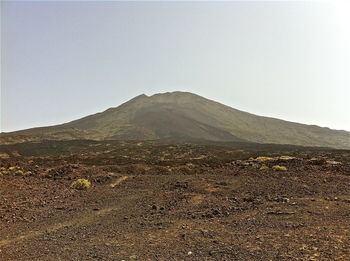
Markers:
83,219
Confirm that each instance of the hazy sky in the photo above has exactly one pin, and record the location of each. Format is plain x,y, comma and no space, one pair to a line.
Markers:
64,60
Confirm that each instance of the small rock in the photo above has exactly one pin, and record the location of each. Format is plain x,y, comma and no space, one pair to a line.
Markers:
216,212
155,207
333,162
284,200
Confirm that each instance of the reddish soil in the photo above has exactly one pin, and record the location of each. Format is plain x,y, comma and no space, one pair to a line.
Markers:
174,202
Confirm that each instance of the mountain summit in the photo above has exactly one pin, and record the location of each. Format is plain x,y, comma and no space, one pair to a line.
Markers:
183,116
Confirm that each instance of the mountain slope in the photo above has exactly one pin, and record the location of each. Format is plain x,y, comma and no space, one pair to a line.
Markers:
180,115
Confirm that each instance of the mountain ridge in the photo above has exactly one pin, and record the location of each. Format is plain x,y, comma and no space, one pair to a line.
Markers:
183,115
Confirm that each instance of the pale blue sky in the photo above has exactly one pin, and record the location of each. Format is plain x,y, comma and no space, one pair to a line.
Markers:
64,60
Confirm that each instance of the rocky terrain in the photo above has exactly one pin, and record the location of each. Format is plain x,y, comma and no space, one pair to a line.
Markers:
173,201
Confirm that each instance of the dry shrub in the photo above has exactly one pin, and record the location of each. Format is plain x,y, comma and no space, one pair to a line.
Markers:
262,159
279,168
264,167
81,184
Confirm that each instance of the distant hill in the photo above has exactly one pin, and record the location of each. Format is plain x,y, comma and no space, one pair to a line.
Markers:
183,116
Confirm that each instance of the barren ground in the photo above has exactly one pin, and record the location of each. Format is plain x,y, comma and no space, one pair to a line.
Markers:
153,201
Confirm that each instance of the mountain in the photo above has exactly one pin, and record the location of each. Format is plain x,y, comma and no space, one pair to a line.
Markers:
183,116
